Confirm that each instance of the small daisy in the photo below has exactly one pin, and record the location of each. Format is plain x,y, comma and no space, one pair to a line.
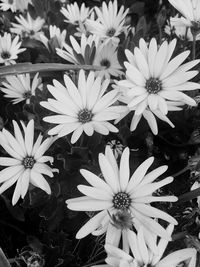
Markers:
9,49
82,53
86,108
119,191
56,37
27,163
74,14
190,9
143,257
110,22
106,56
20,87
155,82
28,27
182,31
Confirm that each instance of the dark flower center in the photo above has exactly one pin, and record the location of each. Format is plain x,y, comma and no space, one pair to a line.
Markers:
31,32
121,201
27,95
28,162
105,63
85,115
110,32
153,86
5,55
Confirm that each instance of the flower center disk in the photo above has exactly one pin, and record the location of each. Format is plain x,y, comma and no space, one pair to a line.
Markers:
121,201
28,162
153,86
5,55
105,63
110,32
85,115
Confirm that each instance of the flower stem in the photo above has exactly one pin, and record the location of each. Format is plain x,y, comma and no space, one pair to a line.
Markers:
194,46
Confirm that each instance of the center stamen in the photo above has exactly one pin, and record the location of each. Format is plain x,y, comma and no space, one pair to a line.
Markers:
153,86
121,201
27,95
111,32
105,63
85,115
28,162
5,55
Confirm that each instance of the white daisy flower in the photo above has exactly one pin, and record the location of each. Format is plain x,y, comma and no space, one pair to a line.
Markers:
182,31
28,27
74,14
154,82
143,257
110,22
7,4
92,52
9,49
86,108
27,163
82,53
119,191
20,87
56,37
106,56
190,9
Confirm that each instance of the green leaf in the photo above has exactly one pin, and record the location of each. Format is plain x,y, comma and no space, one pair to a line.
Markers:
3,260
41,67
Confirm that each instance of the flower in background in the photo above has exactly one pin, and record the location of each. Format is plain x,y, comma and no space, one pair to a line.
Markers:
74,14
182,31
56,37
7,4
190,9
110,22
118,191
28,27
154,82
27,163
143,256
14,5
83,108
9,49
117,148
20,87
106,56
82,53
92,52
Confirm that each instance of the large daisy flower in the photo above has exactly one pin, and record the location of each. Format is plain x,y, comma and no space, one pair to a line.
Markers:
9,49
110,22
118,192
28,27
142,256
20,87
86,108
74,14
27,163
190,9
154,82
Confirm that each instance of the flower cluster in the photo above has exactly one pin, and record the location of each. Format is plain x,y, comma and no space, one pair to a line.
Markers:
117,79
